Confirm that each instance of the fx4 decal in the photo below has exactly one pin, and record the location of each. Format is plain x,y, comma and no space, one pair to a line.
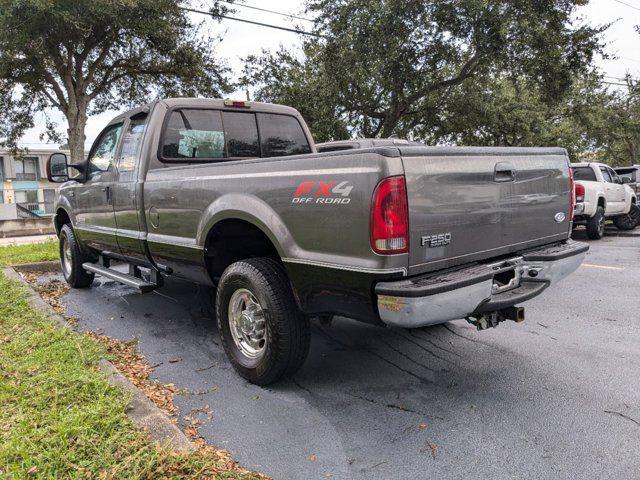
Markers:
330,192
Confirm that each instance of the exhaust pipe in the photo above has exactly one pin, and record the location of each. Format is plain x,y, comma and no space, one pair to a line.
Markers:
487,320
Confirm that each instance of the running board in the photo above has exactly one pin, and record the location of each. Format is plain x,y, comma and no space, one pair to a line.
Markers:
120,277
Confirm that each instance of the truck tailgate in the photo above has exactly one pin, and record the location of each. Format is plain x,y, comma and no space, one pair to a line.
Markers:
470,204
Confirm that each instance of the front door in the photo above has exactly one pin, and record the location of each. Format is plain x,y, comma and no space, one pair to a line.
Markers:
127,190
614,191
95,218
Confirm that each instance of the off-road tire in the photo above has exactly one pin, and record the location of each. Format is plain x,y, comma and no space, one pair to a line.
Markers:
74,274
628,221
288,331
595,225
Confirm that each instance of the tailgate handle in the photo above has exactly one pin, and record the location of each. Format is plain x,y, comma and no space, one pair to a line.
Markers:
504,172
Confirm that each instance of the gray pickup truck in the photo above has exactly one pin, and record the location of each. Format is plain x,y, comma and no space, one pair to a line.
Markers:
234,195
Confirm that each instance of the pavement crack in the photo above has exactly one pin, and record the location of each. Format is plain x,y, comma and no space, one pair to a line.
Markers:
620,414
414,333
402,354
393,406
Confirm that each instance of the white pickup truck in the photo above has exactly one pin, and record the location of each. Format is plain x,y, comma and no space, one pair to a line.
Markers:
602,195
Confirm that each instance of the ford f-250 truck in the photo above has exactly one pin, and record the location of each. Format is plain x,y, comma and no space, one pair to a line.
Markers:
234,195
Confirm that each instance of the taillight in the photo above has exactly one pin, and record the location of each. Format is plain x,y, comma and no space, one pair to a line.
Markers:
573,194
390,217
579,193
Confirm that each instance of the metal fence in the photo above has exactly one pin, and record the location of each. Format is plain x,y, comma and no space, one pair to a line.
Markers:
34,209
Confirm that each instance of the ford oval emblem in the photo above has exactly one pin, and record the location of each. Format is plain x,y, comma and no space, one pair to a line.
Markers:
559,217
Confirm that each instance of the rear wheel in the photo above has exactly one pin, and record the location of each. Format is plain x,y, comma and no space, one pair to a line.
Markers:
263,333
628,221
71,259
595,225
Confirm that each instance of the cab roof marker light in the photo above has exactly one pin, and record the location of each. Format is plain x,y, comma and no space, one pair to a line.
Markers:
237,104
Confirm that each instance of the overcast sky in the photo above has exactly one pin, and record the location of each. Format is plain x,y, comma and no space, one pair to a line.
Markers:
241,39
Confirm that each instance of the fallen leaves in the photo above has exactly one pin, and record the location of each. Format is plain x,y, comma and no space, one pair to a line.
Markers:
135,367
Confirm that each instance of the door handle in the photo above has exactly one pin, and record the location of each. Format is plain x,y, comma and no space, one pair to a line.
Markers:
504,172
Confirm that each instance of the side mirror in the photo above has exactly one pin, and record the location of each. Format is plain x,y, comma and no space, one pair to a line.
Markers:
625,179
57,170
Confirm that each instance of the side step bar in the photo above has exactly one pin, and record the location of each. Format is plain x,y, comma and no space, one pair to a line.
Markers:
126,279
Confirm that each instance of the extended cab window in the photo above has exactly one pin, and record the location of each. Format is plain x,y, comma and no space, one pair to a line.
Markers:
131,143
585,174
104,151
194,134
281,135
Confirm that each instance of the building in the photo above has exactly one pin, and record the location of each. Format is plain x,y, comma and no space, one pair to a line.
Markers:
25,192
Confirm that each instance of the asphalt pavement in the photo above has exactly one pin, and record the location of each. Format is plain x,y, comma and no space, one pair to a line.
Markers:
555,397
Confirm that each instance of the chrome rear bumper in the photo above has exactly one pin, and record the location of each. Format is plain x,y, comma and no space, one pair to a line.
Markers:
439,297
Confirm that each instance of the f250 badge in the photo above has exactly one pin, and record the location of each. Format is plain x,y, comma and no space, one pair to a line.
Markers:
330,192
437,240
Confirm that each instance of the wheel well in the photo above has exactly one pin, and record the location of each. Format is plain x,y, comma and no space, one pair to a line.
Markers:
602,203
232,240
62,217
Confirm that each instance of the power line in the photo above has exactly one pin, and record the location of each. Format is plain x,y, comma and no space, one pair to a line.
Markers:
627,4
267,10
252,22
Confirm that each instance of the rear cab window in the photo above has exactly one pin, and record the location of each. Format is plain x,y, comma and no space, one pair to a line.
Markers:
584,173
216,135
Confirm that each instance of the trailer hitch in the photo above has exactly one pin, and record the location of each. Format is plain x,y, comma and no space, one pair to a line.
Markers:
483,321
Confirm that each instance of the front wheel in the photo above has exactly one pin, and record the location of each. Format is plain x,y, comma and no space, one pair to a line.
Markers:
71,259
261,328
628,221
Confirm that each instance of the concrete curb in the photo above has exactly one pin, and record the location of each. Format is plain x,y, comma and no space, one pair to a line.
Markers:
141,411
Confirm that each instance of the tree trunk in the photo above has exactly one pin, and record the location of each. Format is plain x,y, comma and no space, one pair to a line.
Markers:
77,121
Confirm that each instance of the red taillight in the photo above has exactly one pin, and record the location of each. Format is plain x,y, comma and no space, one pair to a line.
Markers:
573,195
579,193
390,217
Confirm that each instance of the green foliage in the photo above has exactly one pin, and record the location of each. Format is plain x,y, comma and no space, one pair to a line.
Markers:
87,56
388,66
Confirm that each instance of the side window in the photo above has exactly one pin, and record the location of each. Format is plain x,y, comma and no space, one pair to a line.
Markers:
605,174
194,134
614,176
281,135
241,132
104,150
131,144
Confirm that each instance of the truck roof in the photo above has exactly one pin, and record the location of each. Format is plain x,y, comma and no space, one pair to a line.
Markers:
210,103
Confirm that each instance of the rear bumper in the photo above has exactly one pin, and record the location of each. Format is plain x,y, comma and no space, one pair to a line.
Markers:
437,298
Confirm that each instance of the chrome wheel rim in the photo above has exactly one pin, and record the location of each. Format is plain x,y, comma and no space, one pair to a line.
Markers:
66,256
247,323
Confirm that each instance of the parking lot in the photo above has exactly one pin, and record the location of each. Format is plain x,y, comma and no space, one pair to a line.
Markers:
554,397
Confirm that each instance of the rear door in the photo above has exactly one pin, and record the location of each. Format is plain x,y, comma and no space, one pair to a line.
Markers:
614,192
468,204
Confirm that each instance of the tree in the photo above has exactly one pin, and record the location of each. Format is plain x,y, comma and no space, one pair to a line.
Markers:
617,134
83,57
388,66
505,111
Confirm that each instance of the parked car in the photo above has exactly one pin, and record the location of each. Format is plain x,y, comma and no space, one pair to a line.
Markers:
633,173
234,195
338,145
600,195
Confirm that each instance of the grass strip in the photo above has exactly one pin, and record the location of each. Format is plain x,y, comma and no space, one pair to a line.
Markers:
59,417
